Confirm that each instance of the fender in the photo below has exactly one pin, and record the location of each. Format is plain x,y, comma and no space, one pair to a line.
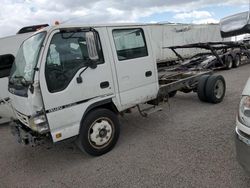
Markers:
95,105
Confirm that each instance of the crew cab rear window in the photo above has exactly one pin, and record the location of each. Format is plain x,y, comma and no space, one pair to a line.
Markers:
130,43
6,62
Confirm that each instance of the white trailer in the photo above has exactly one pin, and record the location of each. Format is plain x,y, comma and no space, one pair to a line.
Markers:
165,35
8,51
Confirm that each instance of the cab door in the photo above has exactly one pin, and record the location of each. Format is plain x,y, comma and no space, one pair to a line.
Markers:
135,65
65,60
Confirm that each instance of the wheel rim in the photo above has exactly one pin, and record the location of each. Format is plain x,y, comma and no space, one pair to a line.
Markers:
219,89
100,133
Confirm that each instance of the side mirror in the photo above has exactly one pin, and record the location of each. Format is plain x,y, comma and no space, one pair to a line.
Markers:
236,24
92,52
92,49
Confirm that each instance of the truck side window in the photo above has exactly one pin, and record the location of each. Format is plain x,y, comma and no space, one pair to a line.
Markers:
130,43
6,62
67,54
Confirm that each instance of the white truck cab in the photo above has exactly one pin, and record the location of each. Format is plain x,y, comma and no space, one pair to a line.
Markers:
74,69
73,81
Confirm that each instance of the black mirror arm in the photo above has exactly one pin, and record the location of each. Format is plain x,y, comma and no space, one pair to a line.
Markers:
90,64
79,78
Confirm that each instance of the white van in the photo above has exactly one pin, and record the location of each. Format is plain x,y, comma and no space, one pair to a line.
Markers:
8,50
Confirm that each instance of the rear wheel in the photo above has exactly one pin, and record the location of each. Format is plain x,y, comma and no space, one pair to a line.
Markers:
201,89
99,132
237,61
229,62
215,89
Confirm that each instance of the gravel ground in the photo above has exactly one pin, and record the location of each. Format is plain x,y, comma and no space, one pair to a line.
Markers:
188,144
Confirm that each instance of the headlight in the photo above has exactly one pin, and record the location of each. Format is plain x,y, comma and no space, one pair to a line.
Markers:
39,123
244,111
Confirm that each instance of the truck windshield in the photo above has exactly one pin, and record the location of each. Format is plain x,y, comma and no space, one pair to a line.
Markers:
26,59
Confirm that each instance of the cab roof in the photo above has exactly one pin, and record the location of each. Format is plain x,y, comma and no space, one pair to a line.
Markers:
64,26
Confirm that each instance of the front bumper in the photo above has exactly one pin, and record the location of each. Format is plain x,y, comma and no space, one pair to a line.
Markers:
25,135
242,143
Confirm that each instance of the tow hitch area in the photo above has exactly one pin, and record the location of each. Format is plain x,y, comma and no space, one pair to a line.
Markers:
23,134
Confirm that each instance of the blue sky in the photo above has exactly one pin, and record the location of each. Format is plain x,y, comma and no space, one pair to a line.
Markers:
217,12
15,14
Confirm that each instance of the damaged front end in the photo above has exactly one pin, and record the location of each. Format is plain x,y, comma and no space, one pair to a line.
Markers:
30,130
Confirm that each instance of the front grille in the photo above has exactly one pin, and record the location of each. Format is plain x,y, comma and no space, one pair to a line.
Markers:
23,118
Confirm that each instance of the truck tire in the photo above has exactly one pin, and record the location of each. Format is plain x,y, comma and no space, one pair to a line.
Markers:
237,61
229,62
215,89
201,89
172,94
99,132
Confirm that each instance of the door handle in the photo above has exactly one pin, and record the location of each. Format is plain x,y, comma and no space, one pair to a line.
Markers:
148,73
104,85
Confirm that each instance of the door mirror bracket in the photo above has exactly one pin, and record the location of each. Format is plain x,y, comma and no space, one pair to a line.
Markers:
92,64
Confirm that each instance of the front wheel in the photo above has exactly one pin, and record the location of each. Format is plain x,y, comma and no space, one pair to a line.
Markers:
99,132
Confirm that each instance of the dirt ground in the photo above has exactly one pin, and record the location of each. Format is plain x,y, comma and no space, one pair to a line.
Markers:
188,144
